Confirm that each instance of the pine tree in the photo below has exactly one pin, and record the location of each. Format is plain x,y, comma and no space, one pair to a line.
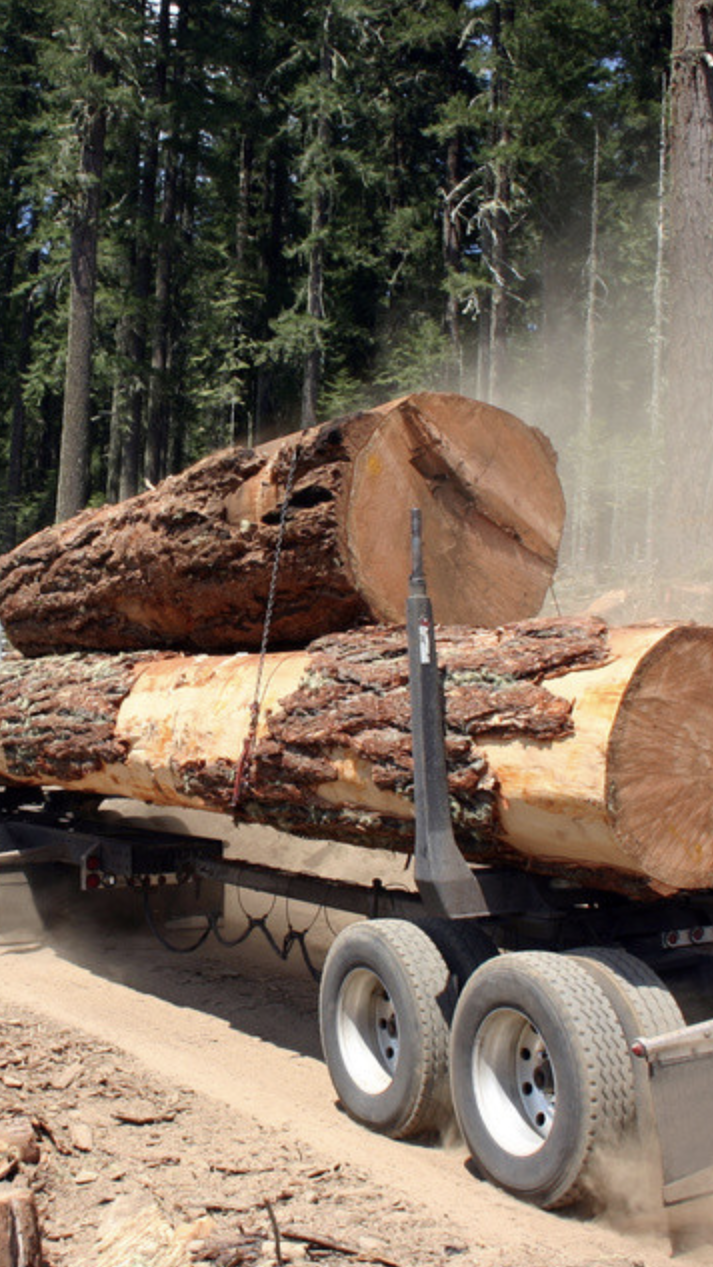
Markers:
73,475
20,90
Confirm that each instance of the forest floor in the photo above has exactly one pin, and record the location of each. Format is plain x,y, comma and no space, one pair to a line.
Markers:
185,1116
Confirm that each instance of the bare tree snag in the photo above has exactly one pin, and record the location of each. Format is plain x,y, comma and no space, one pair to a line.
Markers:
568,751
188,564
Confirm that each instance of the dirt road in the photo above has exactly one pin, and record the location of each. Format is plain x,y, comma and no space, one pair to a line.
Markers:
228,1040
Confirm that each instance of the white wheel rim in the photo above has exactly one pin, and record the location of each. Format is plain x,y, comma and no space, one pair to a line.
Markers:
513,1082
367,1031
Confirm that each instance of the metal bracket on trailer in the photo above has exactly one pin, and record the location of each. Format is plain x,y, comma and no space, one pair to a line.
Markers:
444,879
104,860
680,1067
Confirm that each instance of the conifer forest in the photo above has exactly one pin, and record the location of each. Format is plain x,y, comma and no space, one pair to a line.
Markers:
225,219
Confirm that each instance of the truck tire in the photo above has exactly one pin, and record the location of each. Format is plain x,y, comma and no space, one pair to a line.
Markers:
540,1075
463,944
644,1006
383,1010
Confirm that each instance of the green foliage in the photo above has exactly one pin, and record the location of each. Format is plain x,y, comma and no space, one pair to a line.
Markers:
415,357
280,180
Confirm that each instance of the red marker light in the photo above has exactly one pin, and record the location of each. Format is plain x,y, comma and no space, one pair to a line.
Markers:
93,881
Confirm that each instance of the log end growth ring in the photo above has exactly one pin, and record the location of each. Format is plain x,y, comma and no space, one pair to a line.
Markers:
660,762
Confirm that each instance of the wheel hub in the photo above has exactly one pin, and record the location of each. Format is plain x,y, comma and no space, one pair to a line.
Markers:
368,1032
514,1081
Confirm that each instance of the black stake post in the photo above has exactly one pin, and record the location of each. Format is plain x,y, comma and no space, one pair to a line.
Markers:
445,881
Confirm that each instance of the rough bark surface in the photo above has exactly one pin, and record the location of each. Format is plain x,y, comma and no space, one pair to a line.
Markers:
570,749
685,527
58,715
188,565
353,705
333,752
74,449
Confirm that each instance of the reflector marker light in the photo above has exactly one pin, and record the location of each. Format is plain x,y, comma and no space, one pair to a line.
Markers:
687,936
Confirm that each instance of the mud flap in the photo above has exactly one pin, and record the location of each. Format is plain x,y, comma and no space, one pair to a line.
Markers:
681,1078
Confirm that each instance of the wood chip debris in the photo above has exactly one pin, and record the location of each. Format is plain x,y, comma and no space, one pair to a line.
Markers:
138,1113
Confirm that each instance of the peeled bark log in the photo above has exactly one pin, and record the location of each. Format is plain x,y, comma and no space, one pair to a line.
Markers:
188,565
568,752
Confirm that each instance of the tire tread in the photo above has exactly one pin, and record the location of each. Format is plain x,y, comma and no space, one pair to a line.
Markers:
652,1003
585,1011
420,962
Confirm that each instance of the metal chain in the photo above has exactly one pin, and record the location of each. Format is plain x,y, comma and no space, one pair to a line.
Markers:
242,773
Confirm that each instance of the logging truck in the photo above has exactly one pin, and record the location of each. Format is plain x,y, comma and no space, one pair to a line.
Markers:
517,999
551,779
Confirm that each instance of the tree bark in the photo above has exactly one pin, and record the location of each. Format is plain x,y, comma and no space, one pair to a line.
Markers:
146,177
453,248
158,420
689,360
568,752
18,427
582,526
499,201
312,370
74,452
189,564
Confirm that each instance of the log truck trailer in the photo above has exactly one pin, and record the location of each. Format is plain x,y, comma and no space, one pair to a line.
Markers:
541,1013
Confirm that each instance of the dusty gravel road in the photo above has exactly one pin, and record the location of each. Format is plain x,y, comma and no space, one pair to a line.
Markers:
223,1048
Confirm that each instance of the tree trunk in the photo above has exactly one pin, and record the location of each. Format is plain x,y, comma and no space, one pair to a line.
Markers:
18,427
582,528
312,371
655,480
498,216
188,565
566,753
689,521
146,176
158,420
159,410
120,394
452,255
74,453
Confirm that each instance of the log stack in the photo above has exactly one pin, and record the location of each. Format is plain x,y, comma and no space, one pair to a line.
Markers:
571,749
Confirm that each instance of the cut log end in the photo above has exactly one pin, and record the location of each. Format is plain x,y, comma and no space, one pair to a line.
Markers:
491,503
660,761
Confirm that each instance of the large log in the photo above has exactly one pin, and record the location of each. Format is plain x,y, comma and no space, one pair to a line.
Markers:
188,565
568,751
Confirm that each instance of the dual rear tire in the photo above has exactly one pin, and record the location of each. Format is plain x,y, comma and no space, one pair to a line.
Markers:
540,1073
533,1054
